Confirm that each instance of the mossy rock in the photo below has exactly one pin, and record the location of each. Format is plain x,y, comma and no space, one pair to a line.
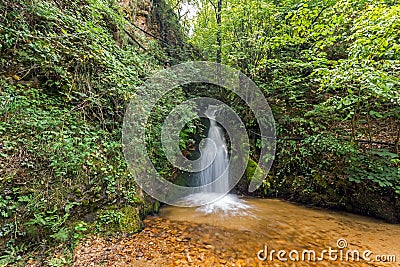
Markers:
253,169
125,219
131,221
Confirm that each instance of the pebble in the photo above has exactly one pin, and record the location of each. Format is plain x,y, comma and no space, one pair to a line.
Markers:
169,243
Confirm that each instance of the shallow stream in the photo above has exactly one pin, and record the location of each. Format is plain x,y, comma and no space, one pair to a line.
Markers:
257,226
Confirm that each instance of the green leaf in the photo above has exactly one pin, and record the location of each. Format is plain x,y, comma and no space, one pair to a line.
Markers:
375,114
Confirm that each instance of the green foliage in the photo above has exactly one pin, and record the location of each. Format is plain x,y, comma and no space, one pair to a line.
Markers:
298,165
67,71
329,70
379,166
170,101
79,230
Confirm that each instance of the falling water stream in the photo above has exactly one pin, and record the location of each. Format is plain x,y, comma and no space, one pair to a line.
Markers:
243,231
245,226
217,172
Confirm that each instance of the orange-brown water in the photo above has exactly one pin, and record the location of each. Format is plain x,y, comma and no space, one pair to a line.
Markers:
189,237
281,225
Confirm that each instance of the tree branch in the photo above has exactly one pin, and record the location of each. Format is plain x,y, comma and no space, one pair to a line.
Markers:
148,33
134,39
211,2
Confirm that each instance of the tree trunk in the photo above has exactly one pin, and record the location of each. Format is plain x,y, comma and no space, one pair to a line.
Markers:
219,42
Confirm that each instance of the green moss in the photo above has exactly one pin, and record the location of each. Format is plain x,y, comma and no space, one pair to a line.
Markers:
130,221
320,180
156,206
253,170
126,219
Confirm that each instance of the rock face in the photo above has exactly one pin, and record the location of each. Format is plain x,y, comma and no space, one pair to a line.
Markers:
137,11
152,19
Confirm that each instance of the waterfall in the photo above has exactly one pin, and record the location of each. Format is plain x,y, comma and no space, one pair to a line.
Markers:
214,198
218,170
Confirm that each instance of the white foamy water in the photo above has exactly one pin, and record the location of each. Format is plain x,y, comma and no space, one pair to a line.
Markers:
228,204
